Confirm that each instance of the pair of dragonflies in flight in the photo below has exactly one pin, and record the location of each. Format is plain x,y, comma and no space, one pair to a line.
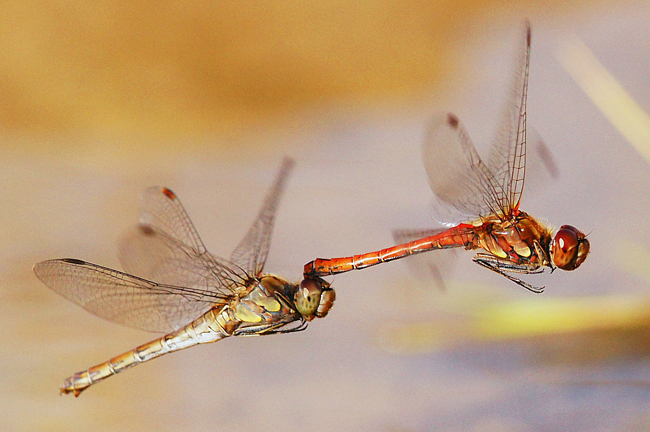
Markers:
172,284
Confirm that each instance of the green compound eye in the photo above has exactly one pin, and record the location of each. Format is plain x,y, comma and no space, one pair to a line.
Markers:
307,298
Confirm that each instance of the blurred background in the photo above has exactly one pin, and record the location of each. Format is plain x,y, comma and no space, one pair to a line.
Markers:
101,99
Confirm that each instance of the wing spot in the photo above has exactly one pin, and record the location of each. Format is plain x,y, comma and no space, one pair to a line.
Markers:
452,120
169,193
73,261
146,230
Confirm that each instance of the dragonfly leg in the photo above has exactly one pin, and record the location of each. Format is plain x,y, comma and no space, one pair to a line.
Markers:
501,267
274,328
279,330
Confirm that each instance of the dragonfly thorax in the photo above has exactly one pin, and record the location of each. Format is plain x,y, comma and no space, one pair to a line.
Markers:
312,298
264,302
520,239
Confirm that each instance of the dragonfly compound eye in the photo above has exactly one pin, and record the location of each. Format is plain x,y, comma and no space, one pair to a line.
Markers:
307,298
569,248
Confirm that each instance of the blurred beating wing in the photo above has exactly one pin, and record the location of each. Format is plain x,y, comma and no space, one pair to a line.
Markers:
252,251
126,299
437,266
459,177
166,248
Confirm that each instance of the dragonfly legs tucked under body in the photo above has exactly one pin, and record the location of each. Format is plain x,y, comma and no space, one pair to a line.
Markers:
501,266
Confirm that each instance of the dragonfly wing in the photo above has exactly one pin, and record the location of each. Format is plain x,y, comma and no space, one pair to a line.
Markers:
507,160
408,235
150,253
252,251
161,209
437,266
166,248
126,299
541,164
457,175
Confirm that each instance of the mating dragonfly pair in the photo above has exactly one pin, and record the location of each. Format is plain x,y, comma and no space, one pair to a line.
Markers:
172,284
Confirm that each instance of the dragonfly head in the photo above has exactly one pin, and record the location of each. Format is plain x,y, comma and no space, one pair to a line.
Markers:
314,298
569,248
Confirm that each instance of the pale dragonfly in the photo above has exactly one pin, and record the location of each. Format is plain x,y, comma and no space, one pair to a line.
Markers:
172,284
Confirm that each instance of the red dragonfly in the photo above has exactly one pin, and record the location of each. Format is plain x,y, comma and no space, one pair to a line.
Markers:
486,193
182,289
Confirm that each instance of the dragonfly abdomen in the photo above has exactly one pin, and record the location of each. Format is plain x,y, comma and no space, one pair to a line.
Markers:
458,236
453,237
206,329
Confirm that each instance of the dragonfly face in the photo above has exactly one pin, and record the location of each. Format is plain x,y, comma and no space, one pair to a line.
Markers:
314,298
569,248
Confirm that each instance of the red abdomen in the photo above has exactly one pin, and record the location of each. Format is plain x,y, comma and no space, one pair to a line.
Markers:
462,235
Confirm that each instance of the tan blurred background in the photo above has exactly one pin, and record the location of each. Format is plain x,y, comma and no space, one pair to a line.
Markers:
145,72
100,100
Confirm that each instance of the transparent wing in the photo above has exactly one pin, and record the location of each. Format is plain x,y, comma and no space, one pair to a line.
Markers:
459,177
166,248
161,209
507,160
252,251
437,266
407,235
541,165
149,253
126,299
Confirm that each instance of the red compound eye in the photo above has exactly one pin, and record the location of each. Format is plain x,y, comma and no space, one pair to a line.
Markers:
569,248
566,240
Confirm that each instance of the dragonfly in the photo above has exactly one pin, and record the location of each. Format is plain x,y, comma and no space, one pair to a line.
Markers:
486,195
173,285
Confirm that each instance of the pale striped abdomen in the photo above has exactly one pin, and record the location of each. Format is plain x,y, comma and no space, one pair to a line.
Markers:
460,236
210,327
